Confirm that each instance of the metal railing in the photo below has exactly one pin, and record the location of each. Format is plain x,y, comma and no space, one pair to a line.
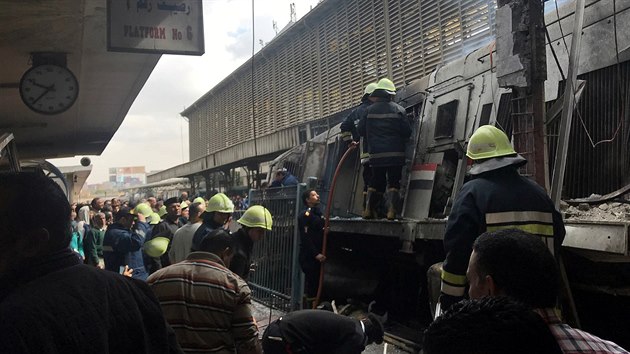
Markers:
277,280
9,150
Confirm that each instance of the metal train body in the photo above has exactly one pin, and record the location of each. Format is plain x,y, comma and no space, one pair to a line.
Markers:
380,259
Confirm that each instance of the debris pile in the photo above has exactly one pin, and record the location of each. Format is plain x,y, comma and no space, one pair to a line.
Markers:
611,211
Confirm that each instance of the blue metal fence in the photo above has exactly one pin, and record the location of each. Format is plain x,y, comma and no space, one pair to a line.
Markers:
277,280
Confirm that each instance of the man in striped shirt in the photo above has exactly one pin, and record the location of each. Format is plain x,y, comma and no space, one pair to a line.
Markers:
515,264
207,305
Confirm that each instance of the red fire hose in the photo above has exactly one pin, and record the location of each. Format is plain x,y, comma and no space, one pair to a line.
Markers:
351,148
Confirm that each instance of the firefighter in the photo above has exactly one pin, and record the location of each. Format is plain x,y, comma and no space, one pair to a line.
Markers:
165,229
254,222
496,198
311,227
349,133
386,128
217,214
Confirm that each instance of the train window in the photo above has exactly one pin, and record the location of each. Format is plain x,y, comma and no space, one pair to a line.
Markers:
486,110
445,124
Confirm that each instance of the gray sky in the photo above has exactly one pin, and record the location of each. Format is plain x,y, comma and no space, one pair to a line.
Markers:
153,133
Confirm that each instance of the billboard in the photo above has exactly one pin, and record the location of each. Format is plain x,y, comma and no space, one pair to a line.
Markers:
158,27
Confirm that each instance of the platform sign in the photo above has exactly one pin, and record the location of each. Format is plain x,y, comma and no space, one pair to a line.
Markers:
160,27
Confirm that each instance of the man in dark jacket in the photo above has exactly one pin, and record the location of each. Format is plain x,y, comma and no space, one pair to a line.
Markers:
387,129
284,178
311,228
122,244
496,198
320,331
254,222
166,228
350,133
217,214
49,302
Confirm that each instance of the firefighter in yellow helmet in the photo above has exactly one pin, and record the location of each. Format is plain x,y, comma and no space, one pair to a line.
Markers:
497,197
164,229
217,214
386,127
349,133
254,222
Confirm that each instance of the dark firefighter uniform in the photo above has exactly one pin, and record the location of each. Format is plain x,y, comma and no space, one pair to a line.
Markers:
311,226
497,198
349,133
387,129
242,260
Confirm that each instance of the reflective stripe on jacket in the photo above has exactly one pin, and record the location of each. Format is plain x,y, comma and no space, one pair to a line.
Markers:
387,129
495,200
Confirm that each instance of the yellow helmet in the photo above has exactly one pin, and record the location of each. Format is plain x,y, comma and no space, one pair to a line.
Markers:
162,210
156,247
487,142
220,203
387,85
183,205
370,88
143,209
199,200
154,219
256,216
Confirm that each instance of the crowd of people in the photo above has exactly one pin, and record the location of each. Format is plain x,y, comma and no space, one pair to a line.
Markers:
166,276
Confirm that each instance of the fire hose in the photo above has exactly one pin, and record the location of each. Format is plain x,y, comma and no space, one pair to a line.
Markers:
351,148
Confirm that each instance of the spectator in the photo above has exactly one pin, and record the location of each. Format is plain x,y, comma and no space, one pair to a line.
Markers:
182,240
115,205
183,197
76,241
93,242
320,331
122,243
283,178
96,205
153,203
489,326
109,218
208,305
517,264
49,302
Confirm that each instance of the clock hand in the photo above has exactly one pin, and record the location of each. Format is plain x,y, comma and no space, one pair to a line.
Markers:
40,85
42,95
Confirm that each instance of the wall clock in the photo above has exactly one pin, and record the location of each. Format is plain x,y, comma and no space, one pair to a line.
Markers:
49,89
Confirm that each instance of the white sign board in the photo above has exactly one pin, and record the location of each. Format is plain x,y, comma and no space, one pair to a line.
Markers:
152,26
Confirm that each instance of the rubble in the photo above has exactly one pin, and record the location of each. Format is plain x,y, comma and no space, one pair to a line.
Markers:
612,211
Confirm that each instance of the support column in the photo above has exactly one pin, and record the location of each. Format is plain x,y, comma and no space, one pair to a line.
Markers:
521,65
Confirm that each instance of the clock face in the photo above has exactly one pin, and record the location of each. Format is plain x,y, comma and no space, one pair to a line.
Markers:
49,89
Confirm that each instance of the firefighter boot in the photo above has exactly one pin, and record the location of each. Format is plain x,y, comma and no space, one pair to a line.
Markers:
367,212
371,203
393,199
364,199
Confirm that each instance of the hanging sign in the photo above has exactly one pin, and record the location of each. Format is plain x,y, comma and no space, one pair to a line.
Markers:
150,26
